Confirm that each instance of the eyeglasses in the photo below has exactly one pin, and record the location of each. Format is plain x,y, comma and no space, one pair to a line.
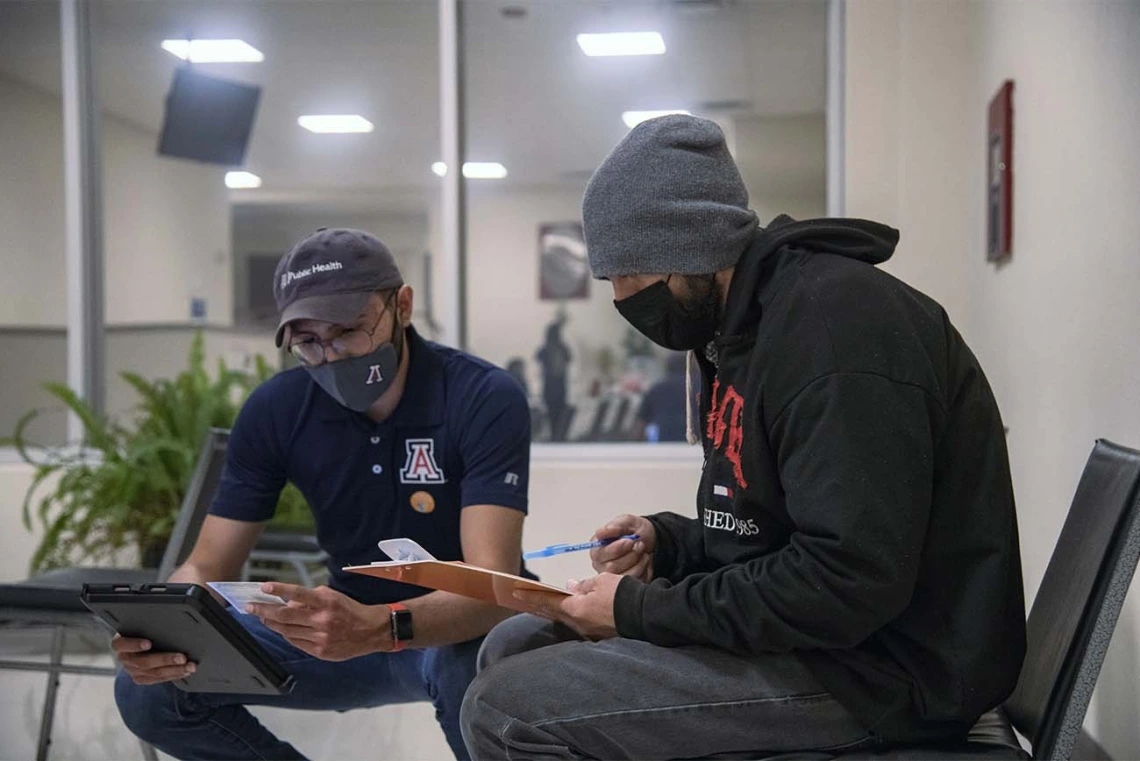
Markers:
355,342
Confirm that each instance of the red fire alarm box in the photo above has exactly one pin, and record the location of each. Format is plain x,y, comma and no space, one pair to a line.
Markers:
999,175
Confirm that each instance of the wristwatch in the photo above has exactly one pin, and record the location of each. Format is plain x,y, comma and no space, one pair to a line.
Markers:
401,621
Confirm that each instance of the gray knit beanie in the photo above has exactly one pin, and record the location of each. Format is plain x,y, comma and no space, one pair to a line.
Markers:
668,199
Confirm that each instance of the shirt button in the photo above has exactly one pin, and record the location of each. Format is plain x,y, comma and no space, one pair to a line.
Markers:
377,469
375,439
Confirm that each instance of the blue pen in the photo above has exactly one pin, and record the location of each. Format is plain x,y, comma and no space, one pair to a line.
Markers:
558,549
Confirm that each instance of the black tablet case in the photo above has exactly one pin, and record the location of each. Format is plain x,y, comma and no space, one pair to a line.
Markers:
184,618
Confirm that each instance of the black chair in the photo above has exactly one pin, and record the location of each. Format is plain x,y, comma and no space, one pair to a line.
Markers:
1076,609
597,424
50,600
615,429
297,552
1069,627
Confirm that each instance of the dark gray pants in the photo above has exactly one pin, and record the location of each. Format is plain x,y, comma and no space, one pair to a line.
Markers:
543,693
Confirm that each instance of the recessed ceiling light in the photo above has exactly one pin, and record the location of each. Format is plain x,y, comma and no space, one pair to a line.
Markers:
214,51
237,180
634,118
475,170
335,123
484,170
622,43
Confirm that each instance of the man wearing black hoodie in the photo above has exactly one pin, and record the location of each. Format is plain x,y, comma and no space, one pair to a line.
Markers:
853,576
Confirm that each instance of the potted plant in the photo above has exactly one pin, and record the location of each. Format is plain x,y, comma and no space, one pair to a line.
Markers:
123,485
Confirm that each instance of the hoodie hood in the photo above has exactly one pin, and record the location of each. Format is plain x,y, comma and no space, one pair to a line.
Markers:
859,239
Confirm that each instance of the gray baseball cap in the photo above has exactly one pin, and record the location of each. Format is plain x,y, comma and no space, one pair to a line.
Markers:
330,275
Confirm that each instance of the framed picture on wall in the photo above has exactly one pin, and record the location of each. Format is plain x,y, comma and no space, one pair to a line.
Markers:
563,270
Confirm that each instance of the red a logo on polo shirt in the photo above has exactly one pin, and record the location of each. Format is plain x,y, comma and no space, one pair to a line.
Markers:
420,467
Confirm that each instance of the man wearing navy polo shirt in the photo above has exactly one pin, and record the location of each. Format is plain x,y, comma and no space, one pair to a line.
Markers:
386,435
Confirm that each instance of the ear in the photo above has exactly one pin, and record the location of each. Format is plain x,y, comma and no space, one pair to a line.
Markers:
404,302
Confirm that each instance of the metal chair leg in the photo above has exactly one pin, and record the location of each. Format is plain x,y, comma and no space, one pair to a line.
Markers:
302,571
148,751
57,637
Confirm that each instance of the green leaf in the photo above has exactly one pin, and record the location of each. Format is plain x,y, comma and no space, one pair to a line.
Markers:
19,438
97,432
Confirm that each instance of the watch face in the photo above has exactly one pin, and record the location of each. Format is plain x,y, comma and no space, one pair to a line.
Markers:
402,625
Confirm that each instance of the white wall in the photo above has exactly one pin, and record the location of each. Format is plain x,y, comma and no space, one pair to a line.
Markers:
783,162
911,136
16,544
167,234
1054,328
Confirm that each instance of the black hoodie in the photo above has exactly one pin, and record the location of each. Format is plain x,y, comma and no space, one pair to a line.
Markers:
856,505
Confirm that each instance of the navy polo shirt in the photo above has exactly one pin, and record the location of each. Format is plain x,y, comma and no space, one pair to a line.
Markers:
460,436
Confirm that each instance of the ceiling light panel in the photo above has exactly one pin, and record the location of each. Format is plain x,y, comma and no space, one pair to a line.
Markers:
213,51
335,123
622,43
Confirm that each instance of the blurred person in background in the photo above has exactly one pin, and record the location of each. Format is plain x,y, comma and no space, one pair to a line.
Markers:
554,356
662,411
853,577
386,435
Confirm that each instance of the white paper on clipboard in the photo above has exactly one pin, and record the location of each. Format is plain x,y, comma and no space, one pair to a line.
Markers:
404,550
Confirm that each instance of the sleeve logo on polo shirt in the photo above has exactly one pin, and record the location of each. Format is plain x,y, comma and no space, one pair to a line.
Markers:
420,467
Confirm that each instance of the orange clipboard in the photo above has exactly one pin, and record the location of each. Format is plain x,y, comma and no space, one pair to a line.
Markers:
462,579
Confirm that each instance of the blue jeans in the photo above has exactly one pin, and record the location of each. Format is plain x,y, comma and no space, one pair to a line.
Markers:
198,725
543,693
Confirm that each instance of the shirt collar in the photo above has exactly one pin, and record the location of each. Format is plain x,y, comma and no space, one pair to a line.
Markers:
422,404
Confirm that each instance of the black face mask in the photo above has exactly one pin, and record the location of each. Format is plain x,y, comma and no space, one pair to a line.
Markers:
657,314
357,382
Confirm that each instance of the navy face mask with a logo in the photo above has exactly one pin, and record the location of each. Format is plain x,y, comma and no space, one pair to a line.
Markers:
357,382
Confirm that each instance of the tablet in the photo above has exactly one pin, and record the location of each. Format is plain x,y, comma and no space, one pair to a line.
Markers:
184,618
